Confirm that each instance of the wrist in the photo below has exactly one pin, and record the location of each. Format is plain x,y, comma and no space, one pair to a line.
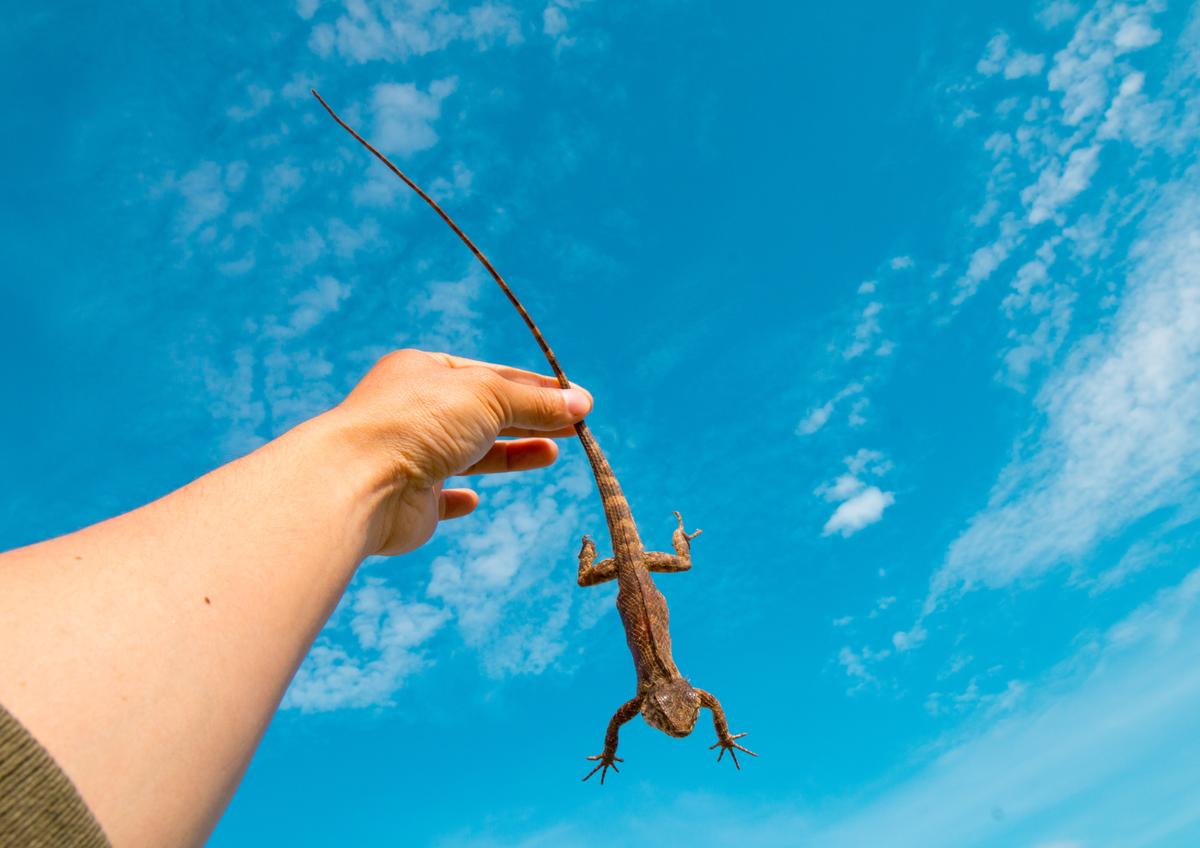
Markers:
359,472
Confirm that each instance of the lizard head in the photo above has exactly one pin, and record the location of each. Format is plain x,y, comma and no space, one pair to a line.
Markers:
672,707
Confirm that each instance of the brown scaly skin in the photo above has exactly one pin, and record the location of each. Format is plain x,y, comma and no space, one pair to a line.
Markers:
666,700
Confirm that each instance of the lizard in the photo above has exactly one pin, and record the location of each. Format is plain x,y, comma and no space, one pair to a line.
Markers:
665,698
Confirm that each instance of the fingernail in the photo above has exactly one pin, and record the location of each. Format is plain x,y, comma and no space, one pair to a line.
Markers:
578,403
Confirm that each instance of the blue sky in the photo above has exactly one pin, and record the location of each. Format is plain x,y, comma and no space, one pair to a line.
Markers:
900,303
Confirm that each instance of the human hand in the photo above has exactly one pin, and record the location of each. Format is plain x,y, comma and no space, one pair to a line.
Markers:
424,417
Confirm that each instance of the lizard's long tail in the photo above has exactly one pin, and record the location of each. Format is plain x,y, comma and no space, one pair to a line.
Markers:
621,527
537,334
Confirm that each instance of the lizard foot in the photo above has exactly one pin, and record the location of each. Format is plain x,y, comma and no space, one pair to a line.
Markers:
607,760
686,535
727,744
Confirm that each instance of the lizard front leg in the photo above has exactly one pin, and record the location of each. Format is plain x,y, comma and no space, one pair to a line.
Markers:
724,739
627,711
682,560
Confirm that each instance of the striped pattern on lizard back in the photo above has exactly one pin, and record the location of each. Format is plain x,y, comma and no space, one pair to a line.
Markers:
642,607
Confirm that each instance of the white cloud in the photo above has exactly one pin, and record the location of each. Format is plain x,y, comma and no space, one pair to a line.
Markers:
868,326
304,251
496,577
279,184
379,651
402,116
451,306
900,262
862,504
856,418
1056,12
300,87
855,668
402,124
995,53
1122,434
394,32
260,98
554,22
988,258
1135,33
307,8
312,305
816,417
1121,412
442,189
997,58
860,511
234,401
1056,188
348,240
237,267
205,192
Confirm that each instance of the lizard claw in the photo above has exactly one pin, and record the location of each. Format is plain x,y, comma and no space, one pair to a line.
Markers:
727,744
607,761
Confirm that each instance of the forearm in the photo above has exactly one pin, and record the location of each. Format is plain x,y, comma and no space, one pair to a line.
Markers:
148,653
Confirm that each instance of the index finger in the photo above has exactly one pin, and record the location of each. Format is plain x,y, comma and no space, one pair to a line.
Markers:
517,375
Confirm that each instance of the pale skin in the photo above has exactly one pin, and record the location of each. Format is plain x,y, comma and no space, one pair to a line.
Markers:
149,652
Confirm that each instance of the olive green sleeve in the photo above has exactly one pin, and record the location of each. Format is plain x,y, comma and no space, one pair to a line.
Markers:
39,807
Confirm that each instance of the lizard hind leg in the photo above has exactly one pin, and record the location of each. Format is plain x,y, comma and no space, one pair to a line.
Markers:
592,573
681,560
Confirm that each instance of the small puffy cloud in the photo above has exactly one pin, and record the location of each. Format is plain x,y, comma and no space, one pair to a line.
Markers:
856,418
1136,33
442,189
446,308
554,22
347,240
996,58
369,30
307,8
1055,12
856,666
365,666
279,184
862,504
1024,65
238,266
300,87
867,287
860,511
906,641
1056,188
312,305
815,418
403,115
305,250
868,326
901,262
205,193
260,98
994,54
